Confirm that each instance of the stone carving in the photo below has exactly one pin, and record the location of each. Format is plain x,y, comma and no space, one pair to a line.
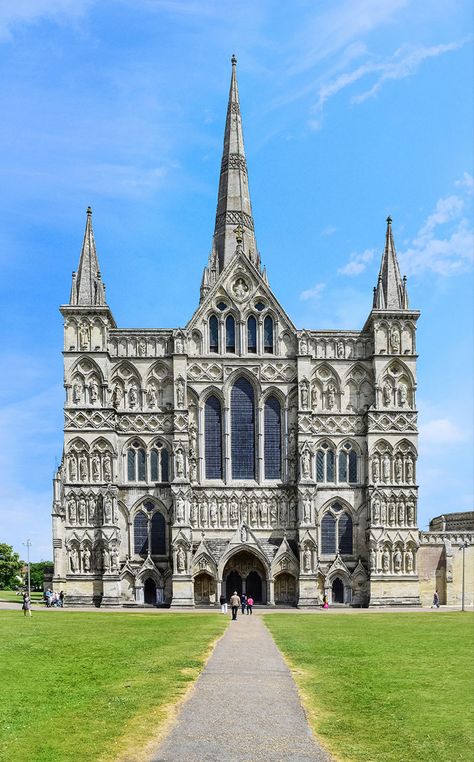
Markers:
141,348
180,392
243,534
77,393
94,391
387,393
151,396
372,560
179,461
386,560
213,512
132,397
410,513
376,511
72,510
74,559
340,349
303,345
398,469
409,562
181,559
397,561
83,470
331,396
95,468
386,467
180,510
117,395
107,463
306,464
179,345
375,469
314,397
395,340
194,512
240,289
84,336
304,394
391,513
307,510
307,564
108,508
409,469
402,394
86,559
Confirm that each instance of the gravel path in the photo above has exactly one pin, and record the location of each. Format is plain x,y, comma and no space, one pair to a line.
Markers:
244,707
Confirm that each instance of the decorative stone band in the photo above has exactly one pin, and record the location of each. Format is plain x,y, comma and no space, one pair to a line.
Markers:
235,108
233,218
234,161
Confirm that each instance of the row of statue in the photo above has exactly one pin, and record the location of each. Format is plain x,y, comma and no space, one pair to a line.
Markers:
91,509
86,393
392,560
85,558
219,512
85,467
310,396
392,511
395,395
333,348
400,468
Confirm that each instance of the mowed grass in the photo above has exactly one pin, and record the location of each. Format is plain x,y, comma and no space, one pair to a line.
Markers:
385,687
89,686
10,596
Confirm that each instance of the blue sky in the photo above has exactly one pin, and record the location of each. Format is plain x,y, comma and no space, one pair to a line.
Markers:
352,110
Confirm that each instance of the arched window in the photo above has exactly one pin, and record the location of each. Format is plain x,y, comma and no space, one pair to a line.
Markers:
268,335
229,334
251,335
325,464
140,534
213,438
347,464
213,334
159,463
243,430
272,440
328,534
344,534
136,463
158,535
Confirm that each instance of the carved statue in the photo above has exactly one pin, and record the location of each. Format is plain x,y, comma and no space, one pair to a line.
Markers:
203,513
304,394
223,511
398,469
77,393
307,510
243,533
71,507
244,510
181,559
375,469
306,464
84,336
401,513
91,509
340,348
372,557
409,469
391,513
74,559
331,396
303,346
193,512
402,394
192,470
95,468
81,511
273,512
307,559
291,439
409,561
234,511
178,345
387,393
83,467
180,392
292,511
179,463
180,510
263,513
284,513
86,559
151,396
395,340
193,437
108,509
142,347
240,288
397,561
213,512
132,396
105,560
376,511
253,512
72,468
383,512
117,395
107,463
314,396
386,467
385,560
94,391
410,513
114,559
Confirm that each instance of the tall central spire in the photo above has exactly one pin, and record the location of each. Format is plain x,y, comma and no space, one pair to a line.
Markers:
233,201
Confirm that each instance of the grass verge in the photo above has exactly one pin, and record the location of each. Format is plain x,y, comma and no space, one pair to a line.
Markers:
385,687
11,596
90,686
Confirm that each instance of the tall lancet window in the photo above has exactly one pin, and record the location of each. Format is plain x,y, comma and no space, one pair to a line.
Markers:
242,409
213,438
213,334
252,335
272,443
229,334
268,334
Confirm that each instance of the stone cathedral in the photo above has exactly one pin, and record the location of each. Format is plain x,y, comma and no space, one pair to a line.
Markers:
237,452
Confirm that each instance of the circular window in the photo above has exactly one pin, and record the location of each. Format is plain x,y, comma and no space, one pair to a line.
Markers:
259,306
222,306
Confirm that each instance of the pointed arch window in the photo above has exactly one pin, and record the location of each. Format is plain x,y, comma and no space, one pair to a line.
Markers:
136,463
140,534
344,534
229,334
268,335
252,335
159,463
158,534
328,534
213,438
272,438
243,430
325,463
213,334
347,464
336,531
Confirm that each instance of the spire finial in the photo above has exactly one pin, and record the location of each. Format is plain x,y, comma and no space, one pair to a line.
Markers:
89,211
389,220
239,233
233,60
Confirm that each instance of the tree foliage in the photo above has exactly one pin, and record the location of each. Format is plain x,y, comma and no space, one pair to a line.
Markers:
37,571
10,567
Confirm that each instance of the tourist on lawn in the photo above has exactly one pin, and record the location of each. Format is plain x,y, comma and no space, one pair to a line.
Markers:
249,604
26,606
234,604
435,600
47,597
243,602
61,598
325,602
223,602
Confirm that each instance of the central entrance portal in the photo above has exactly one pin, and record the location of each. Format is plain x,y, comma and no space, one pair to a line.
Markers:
245,573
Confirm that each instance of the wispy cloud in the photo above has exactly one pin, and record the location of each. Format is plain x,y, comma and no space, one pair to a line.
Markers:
313,293
357,262
403,63
328,231
440,432
467,182
14,13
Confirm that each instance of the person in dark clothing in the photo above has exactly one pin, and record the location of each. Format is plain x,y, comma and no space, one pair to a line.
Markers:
223,602
243,602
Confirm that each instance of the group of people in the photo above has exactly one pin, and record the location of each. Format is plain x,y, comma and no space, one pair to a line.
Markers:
245,602
53,599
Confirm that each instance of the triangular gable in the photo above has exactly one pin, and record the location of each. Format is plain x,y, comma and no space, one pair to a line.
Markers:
243,535
338,565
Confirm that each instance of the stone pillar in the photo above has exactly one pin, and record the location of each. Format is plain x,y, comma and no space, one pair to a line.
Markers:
270,592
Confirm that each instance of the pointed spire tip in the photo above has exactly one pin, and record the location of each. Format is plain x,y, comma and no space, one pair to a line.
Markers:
389,220
89,211
233,60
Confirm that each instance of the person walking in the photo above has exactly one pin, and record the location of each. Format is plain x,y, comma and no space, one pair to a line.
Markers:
234,604
435,600
61,599
249,604
243,602
223,602
26,606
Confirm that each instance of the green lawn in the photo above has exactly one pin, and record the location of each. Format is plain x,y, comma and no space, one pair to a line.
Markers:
385,687
84,686
11,597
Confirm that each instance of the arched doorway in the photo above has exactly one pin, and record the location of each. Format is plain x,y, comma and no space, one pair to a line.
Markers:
338,591
285,590
204,589
149,590
245,573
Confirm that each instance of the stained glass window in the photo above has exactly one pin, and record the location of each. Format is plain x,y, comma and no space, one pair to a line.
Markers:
330,466
131,472
342,467
165,465
320,466
272,438
213,334
229,334
213,438
158,535
345,533
154,471
141,455
328,534
251,335
140,533
268,334
243,430
352,466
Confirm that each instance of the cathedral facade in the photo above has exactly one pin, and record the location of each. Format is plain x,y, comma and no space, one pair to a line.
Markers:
237,452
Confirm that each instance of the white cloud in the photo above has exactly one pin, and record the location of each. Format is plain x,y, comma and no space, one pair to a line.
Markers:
357,262
313,293
328,231
440,432
16,12
467,182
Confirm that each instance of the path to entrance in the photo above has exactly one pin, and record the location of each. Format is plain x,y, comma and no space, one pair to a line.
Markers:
244,708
